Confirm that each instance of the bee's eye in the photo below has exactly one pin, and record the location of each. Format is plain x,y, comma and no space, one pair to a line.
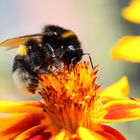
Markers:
71,48
55,33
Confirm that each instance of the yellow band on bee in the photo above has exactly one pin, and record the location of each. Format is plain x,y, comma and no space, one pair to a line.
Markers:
67,34
22,50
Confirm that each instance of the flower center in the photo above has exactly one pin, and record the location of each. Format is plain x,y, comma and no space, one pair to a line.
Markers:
70,95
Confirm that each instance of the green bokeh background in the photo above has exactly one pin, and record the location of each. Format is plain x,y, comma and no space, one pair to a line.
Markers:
98,24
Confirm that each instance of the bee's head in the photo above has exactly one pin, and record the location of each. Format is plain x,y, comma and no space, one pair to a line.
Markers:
65,43
72,54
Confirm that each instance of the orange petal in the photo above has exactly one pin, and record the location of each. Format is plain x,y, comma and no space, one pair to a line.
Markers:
12,126
119,111
127,48
107,133
111,132
132,12
38,132
20,107
118,90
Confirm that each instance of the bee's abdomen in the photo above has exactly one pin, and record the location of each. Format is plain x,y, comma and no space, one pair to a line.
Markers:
24,76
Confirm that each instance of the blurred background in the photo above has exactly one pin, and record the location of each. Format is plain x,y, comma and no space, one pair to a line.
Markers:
98,24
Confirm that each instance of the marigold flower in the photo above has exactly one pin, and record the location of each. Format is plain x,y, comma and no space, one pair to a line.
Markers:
132,12
73,108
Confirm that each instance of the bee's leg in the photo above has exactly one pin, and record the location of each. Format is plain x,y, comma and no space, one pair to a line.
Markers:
46,71
38,68
56,63
72,63
42,70
36,64
34,60
89,58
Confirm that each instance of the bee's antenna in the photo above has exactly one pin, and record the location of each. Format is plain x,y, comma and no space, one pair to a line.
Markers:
89,59
72,60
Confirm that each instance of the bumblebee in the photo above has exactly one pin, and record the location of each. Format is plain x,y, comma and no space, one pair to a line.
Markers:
36,52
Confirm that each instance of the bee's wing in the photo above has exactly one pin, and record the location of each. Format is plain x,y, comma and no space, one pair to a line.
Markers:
15,42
